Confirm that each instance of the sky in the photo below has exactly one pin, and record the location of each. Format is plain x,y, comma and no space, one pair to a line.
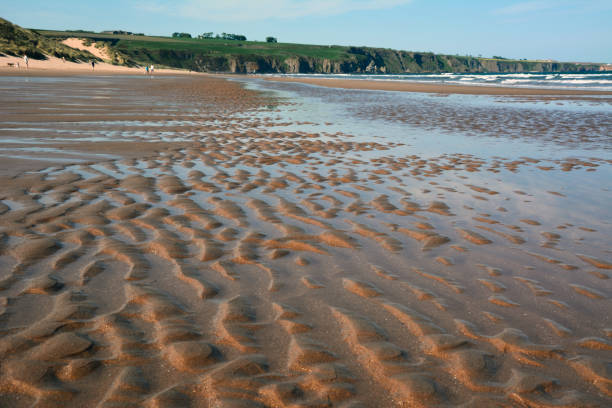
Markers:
563,30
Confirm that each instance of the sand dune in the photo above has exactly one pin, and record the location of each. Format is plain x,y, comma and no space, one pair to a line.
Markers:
79,44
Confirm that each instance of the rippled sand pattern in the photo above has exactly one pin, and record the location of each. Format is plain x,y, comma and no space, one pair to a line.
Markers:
255,268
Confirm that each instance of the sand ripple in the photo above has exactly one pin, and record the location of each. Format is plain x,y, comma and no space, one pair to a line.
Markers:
251,267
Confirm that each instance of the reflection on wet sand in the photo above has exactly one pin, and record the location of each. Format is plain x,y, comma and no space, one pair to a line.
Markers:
276,256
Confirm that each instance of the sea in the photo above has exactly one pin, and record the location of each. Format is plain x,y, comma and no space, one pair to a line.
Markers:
553,80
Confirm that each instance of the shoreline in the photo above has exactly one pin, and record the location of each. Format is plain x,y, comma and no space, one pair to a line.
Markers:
55,67
433,88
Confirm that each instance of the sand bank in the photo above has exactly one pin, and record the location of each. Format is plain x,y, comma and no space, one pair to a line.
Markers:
434,88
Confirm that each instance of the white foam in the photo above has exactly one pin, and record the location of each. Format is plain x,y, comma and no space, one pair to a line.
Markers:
578,81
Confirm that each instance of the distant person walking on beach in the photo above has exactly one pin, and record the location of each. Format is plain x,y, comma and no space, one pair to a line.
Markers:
147,70
152,69
93,65
27,61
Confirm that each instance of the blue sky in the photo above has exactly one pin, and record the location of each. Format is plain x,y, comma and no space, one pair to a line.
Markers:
565,30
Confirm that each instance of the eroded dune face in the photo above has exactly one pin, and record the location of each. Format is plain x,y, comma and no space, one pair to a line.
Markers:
250,267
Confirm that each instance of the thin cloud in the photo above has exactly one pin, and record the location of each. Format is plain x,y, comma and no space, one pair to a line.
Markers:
253,10
524,8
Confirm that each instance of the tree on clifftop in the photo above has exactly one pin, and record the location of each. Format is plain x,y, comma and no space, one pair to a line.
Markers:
271,39
233,37
181,35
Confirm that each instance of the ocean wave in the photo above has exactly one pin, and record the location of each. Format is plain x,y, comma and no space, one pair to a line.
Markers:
579,81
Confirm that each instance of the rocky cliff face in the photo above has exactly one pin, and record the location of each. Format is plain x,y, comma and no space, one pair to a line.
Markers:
373,61
356,60
387,64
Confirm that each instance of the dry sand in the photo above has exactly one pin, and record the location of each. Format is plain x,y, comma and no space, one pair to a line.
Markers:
247,267
54,66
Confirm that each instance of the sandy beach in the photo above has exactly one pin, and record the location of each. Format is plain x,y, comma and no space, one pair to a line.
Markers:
194,241
52,66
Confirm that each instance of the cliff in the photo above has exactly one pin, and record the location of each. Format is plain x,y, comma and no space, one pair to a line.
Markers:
212,55
355,60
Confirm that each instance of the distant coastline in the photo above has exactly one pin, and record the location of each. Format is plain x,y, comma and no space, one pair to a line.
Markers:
233,54
247,57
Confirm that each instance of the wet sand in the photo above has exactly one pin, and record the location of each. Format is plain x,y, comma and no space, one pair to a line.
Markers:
434,88
257,255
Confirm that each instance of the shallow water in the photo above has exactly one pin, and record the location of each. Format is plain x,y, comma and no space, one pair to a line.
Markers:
505,126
